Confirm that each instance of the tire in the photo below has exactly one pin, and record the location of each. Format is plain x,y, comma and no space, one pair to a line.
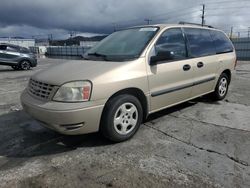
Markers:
24,65
122,118
221,88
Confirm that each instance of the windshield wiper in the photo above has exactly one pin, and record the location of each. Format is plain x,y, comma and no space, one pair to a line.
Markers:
97,54
114,57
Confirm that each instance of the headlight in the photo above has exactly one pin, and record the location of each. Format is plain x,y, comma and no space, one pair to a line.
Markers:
77,91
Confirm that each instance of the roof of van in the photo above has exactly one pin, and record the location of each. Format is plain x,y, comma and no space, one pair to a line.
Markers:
162,26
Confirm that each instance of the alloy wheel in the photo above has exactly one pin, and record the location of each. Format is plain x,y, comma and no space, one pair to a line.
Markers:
126,118
223,87
25,65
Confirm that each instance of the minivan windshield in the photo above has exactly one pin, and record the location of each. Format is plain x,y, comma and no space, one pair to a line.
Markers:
122,45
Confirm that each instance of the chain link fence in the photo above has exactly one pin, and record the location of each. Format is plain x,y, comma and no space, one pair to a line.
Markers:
66,50
242,46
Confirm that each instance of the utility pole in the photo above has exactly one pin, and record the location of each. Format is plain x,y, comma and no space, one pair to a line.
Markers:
50,38
114,26
238,34
203,15
248,32
71,34
231,32
148,20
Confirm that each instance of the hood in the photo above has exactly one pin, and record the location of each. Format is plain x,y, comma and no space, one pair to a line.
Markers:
75,70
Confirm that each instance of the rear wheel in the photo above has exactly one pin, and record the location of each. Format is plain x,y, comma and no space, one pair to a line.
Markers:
24,65
221,88
122,117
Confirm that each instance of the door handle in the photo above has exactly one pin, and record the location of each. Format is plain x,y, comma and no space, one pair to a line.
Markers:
186,67
200,64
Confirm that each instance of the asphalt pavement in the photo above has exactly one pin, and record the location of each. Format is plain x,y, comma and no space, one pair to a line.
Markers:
200,143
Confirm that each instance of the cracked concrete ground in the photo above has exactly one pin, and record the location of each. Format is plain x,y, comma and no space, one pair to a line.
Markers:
197,144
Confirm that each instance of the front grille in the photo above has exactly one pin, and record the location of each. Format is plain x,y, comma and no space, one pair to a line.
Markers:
40,89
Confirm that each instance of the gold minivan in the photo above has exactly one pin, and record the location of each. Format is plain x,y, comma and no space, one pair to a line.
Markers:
127,76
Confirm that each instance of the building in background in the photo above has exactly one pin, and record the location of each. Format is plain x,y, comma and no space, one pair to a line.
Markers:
39,50
88,44
40,47
75,46
20,42
42,42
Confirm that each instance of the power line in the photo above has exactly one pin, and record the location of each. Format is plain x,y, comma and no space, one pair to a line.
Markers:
223,14
179,16
229,1
140,20
231,32
177,10
223,8
175,14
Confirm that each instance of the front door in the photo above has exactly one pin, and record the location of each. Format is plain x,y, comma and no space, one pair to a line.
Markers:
170,81
12,54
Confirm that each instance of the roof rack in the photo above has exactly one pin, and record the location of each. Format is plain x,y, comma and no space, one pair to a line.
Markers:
188,23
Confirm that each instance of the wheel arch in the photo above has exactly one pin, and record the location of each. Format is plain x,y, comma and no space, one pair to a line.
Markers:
228,73
24,59
136,92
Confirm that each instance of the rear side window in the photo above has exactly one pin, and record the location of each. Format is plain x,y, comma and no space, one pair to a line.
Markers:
221,42
172,41
24,50
200,42
12,49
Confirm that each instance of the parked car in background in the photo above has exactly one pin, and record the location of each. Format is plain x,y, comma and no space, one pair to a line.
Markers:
17,57
127,76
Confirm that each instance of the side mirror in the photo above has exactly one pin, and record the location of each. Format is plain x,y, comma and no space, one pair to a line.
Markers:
161,56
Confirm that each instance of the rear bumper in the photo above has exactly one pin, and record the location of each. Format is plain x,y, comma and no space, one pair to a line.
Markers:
65,118
33,62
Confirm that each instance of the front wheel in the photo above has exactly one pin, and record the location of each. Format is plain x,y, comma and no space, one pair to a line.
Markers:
221,88
24,65
122,117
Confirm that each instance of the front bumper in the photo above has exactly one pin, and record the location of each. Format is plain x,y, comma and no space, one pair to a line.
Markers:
65,118
33,62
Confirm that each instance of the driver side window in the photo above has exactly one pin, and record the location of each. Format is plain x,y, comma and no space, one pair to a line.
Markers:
172,41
